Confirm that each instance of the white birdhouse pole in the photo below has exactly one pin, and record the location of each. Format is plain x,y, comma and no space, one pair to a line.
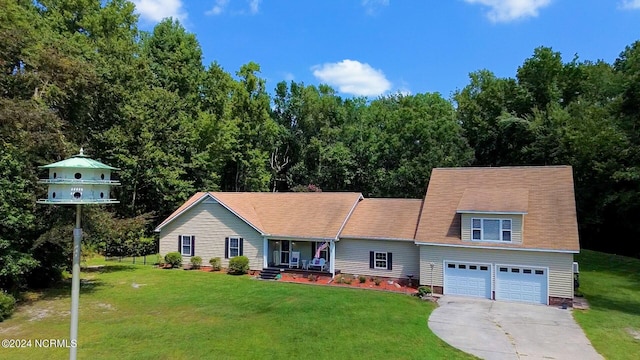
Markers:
77,181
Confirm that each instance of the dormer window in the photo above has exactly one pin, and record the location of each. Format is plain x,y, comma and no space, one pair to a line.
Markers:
491,229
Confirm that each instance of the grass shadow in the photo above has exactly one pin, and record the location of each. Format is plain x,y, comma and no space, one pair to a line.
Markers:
627,306
61,289
108,268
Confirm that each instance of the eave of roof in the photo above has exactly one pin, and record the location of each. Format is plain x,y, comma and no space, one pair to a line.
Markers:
568,251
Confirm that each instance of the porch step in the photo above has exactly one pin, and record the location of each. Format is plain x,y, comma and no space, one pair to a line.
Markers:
269,273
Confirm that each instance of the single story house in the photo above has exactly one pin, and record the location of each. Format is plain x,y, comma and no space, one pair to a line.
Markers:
505,233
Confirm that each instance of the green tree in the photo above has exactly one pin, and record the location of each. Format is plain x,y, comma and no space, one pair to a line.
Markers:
248,168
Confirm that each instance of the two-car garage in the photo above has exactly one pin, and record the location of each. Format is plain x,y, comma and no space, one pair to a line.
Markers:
512,283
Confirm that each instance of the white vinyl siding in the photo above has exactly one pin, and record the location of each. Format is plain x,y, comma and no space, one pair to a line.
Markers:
352,257
559,264
516,225
211,223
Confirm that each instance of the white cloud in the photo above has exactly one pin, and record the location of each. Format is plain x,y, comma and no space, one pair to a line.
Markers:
289,76
508,10
221,6
352,77
156,10
372,7
218,7
630,4
254,6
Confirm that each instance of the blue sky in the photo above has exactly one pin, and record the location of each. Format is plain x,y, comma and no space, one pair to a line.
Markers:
377,47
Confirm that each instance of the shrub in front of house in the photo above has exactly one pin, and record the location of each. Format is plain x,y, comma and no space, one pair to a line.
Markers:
424,291
174,259
362,279
377,281
216,263
238,265
196,262
7,305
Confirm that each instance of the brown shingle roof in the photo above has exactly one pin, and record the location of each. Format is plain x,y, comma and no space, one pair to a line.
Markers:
311,215
384,219
493,200
307,215
550,222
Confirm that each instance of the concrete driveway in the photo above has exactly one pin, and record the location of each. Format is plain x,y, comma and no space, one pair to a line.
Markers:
505,330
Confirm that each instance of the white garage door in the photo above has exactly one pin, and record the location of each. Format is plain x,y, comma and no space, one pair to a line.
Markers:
521,283
467,279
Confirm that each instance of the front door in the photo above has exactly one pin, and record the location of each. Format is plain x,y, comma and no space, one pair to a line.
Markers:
284,252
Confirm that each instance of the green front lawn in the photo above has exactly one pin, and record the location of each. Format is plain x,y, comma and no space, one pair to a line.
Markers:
139,312
611,284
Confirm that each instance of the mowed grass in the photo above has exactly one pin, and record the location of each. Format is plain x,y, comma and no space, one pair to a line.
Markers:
611,284
140,312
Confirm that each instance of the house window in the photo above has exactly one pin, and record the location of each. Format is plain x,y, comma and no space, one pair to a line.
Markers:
491,229
233,246
186,245
380,260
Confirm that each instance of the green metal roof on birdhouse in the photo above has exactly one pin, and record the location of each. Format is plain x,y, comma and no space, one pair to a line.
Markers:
81,161
79,180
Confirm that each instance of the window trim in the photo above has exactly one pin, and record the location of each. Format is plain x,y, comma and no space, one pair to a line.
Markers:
182,244
501,229
375,260
234,247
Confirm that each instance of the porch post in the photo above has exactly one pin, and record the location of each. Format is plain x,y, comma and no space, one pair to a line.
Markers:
265,252
332,258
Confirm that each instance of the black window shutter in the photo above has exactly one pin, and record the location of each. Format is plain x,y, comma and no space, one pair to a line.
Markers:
389,261
180,244
240,251
313,249
371,260
226,248
193,245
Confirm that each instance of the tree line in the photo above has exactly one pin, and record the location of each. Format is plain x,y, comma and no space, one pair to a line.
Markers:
80,73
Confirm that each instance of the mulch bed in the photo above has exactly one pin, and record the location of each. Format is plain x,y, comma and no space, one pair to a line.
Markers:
370,284
383,285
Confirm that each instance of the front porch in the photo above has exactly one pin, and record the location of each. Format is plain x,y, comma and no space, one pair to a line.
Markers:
296,254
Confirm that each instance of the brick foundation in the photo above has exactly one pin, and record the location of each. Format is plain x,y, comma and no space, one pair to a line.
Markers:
557,301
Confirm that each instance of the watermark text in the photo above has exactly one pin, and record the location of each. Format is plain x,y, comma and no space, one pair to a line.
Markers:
38,343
